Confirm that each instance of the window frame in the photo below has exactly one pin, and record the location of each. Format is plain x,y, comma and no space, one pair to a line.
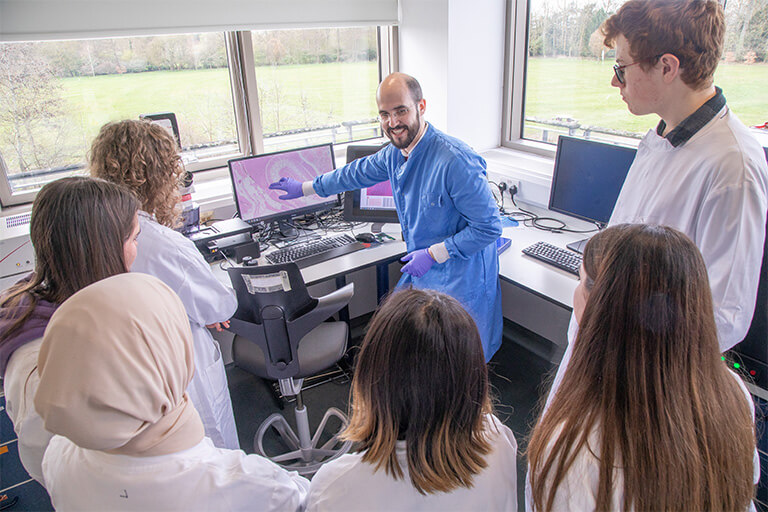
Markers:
515,66
245,97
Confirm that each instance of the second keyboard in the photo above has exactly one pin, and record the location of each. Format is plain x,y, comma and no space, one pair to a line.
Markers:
560,258
313,252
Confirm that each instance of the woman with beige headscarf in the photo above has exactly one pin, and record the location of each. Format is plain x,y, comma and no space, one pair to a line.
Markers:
114,365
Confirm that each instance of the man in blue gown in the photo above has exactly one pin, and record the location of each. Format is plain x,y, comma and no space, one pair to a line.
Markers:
448,216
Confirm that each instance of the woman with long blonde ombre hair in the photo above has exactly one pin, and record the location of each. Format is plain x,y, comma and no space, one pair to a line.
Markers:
422,416
648,416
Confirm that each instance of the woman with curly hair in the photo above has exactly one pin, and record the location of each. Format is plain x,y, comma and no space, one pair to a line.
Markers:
145,157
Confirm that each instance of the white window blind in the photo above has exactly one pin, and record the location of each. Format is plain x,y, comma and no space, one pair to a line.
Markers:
38,20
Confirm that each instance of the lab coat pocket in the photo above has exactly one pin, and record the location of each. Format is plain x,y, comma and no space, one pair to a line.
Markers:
431,200
433,209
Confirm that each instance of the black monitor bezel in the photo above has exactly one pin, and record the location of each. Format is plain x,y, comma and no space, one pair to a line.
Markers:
332,201
352,211
165,116
558,155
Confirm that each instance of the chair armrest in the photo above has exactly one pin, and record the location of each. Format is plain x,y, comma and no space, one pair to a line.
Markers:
327,305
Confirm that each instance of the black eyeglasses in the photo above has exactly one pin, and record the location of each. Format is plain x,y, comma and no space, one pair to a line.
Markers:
619,70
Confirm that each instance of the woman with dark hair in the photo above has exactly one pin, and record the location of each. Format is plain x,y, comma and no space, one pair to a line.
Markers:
82,230
648,416
422,416
145,157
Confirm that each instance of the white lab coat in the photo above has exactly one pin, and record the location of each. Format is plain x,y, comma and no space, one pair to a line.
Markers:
20,384
348,483
200,478
578,490
713,188
174,259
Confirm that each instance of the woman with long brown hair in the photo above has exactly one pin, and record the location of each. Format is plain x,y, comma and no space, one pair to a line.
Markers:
82,230
647,417
422,416
145,157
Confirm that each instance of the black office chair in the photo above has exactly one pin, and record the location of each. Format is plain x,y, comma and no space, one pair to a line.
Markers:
281,334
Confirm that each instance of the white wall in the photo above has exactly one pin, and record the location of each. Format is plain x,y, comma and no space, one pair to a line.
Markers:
455,48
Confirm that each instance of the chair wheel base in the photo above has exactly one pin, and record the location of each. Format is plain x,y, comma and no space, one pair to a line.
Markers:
304,455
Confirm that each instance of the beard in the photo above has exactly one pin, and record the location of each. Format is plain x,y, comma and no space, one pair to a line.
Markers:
406,138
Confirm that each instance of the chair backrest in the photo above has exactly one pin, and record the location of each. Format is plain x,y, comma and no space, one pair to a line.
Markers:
271,302
277,285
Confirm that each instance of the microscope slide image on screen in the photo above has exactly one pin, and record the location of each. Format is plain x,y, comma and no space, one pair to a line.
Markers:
377,197
252,177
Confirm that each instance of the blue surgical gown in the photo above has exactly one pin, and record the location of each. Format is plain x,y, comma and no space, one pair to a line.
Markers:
441,194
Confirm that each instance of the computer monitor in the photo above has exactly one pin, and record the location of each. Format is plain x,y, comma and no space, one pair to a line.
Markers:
374,204
168,121
588,178
252,175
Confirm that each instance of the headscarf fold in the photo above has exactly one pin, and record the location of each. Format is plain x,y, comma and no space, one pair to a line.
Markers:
114,367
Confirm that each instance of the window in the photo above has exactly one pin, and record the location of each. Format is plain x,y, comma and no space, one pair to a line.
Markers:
313,85
58,94
561,73
316,85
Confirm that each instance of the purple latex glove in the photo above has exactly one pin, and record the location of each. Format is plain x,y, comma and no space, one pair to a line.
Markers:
289,185
419,262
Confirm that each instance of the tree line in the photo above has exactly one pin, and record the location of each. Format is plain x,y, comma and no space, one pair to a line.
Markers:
565,28
204,51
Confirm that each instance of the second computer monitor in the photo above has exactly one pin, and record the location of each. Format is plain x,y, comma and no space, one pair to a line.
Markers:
588,178
373,204
252,175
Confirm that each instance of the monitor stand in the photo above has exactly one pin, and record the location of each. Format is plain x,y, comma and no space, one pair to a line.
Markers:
286,229
376,227
578,246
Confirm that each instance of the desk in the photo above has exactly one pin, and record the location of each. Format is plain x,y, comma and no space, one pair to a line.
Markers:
537,277
379,255
535,295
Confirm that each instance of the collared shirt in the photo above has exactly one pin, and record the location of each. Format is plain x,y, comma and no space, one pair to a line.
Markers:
694,122
713,188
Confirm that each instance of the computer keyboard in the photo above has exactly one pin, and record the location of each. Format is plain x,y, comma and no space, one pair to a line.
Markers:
312,252
560,258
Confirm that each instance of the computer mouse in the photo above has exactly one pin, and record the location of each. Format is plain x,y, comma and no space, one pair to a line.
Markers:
366,238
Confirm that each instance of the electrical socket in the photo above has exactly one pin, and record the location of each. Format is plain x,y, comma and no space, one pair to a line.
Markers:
512,183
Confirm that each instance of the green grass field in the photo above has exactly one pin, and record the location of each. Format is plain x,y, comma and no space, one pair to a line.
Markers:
308,95
319,94
582,89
